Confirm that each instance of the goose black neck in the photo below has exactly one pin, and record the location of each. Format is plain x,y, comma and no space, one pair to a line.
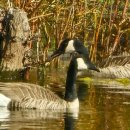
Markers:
71,93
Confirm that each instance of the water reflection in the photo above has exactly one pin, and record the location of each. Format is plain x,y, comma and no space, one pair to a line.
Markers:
36,120
104,110
102,107
82,90
4,114
69,122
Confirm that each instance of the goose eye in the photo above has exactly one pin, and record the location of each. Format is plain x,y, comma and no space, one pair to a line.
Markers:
75,54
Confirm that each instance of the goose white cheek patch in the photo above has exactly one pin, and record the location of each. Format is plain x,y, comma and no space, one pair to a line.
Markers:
70,47
4,101
81,64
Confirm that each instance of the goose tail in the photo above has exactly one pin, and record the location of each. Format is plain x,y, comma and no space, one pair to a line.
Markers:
4,101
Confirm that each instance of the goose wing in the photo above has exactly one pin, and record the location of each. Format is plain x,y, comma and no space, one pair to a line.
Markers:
28,95
114,61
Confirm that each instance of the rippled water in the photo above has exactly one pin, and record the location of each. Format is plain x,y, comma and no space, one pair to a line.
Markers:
101,108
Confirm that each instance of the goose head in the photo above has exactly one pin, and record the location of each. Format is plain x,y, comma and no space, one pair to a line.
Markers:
72,46
69,46
80,61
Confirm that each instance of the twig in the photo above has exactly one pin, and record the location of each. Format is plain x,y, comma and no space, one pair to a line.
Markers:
40,16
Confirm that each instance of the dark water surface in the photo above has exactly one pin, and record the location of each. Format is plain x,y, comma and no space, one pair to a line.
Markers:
101,108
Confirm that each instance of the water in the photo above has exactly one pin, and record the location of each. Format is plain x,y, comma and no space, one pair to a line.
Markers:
102,107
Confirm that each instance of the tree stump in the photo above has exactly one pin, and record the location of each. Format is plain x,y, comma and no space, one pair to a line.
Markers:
14,34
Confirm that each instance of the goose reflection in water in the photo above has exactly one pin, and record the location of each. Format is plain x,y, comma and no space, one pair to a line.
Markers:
36,119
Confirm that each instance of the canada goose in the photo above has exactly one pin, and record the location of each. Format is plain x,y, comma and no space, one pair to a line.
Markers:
111,67
70,46
25,95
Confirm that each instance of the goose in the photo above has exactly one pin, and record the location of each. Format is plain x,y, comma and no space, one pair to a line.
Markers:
26,95
70,46
111,67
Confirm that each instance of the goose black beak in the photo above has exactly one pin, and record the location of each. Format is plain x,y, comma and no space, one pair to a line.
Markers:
54,55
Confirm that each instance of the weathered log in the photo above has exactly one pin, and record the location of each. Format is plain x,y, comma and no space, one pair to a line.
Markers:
14,33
